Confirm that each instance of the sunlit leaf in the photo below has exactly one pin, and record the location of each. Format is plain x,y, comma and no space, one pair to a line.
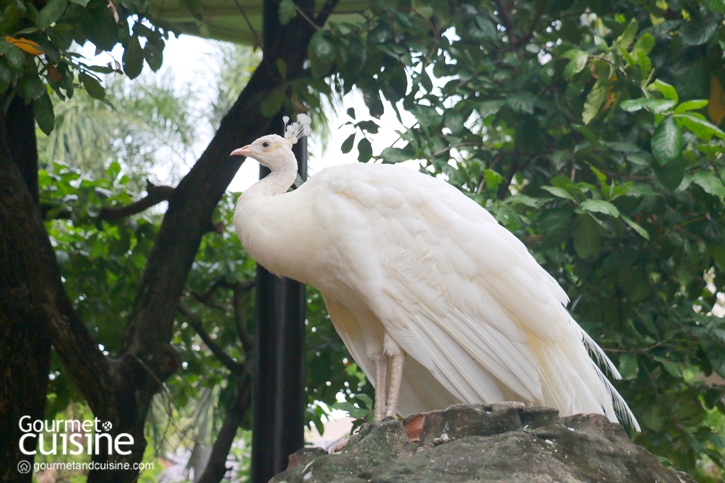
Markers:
50,13
287,11
667,141
594,101
600,206
587,241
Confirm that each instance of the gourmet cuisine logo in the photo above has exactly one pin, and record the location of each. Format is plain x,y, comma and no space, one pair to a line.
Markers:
71,437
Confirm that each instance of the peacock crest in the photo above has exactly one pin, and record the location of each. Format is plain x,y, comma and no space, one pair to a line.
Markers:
294,131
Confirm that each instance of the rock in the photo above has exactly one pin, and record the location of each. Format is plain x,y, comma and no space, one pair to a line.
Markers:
487,443
372,446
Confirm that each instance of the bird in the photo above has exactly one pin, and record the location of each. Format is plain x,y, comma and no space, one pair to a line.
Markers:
436,302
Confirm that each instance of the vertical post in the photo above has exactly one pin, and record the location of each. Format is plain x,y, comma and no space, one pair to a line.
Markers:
279,379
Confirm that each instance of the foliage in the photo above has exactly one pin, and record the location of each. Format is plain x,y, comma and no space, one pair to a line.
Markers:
143,125
235,67
589,129
36,56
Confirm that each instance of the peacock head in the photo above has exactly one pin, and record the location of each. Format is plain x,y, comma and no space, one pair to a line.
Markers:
274,151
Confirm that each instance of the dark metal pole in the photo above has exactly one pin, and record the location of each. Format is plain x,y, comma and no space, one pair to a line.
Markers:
279,378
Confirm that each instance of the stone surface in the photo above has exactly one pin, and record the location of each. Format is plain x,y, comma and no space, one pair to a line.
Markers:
486,443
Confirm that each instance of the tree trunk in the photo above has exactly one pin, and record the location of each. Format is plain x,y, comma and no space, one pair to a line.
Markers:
24,344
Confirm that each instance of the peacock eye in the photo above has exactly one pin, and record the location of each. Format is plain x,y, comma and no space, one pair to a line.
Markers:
265,144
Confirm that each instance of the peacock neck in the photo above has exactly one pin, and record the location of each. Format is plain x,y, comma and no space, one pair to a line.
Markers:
277,182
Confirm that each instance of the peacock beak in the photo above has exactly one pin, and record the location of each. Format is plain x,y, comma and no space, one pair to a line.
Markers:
244,151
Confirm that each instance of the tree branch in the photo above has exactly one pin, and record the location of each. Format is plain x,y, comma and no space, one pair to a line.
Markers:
507,22
221,283
233,366
155,195
542,5
239,317
216,467
257,41
325,12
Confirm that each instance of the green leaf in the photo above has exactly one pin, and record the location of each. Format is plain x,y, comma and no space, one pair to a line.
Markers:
427,116
32,87
658,106
667,90
602,178
628,366
715,355
381,33
645,43
29,30
365,150
653,105
395,83
50,13
369,126
493,180
627,37
594,101
558,233
699,30
644,63
523,102
395,155
671,174
633,105
133,58
559,192
700,126
287,11
576,64
321,53
5,78
691,106
600,206
453,120
347,144
16,58
101,69
4,46
82,3
44,115
281,67
489,108
195,8
154,55
653,418
636,227
273,102
667,141
587,242
710,183
93,87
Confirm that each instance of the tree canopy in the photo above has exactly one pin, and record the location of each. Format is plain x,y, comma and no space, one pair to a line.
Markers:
592,130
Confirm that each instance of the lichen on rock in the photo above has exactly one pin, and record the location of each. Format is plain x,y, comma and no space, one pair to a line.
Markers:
485,443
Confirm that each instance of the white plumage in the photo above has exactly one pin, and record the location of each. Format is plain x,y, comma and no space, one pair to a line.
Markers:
408,265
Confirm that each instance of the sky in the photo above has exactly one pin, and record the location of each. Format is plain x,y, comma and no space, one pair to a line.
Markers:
186,60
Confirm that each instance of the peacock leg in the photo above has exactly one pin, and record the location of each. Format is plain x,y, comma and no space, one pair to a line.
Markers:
381,374
397,362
